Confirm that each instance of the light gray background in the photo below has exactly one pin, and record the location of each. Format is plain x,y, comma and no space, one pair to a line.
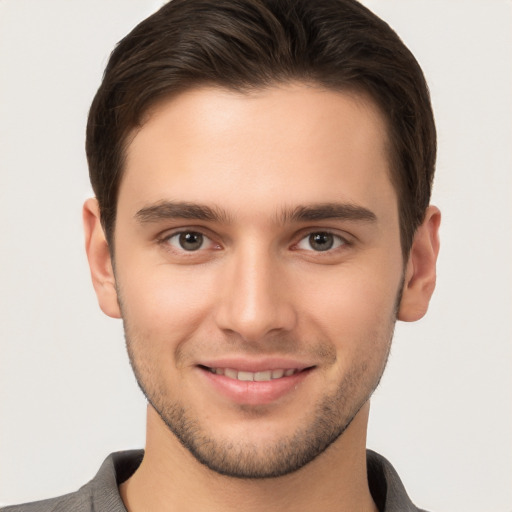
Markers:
443,412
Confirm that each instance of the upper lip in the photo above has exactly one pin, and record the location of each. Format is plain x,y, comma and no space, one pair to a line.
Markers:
256,365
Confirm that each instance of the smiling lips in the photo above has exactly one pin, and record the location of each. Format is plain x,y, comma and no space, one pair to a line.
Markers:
261,376
261,386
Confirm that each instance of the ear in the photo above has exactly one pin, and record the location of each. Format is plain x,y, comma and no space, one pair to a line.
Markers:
420,273
100,263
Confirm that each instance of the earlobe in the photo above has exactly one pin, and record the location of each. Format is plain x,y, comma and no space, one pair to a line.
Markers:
420,273
100,262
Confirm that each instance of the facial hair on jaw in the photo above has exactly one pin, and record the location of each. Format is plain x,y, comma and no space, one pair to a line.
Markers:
243,459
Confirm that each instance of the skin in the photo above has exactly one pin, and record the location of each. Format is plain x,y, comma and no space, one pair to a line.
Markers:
258,292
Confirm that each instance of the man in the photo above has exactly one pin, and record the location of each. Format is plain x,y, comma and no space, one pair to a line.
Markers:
262,172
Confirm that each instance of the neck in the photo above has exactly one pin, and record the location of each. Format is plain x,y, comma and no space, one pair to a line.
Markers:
170,478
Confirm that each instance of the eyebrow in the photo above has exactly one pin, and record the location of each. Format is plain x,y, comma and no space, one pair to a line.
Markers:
168,210
324,211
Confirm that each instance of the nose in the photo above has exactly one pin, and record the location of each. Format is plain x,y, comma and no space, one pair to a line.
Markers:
254,300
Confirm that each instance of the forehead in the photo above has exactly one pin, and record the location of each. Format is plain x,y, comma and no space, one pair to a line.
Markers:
286,144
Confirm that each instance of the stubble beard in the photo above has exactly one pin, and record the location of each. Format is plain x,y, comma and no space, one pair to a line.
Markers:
243,458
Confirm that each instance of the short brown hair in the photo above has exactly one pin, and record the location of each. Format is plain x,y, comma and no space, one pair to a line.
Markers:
247,44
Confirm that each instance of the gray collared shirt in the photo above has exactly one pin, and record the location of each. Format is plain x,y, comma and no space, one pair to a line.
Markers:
101,494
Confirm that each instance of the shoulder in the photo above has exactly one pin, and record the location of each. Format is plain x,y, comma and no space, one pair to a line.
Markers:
101,494
386,487
79,501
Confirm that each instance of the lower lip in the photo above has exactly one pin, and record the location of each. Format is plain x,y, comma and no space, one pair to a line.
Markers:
255,392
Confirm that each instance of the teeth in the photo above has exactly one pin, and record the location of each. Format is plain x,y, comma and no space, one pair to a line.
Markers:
245,376
263,376
277,374
232,374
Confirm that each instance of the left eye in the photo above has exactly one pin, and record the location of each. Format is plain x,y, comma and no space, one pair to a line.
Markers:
320,241
188,241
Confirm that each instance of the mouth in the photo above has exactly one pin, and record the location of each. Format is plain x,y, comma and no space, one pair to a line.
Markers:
260,376
259,386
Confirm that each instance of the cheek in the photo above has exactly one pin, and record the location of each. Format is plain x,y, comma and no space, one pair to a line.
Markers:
353,306
164,303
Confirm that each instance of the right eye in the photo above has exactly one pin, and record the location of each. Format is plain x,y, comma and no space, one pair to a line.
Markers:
189,241
321,241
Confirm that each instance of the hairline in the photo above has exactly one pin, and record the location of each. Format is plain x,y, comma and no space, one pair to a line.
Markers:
356,91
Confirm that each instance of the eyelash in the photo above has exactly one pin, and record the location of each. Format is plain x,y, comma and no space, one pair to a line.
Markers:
338,241
165,240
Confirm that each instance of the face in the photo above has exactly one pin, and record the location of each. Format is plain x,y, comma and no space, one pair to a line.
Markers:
257,268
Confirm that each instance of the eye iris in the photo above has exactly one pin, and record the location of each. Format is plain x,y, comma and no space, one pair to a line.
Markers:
321,241
191,241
